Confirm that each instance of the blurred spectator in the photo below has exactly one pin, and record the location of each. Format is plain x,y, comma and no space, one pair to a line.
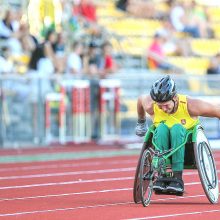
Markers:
8,26
60,45
92,60
181,21
197,15
60,51
122,4
109,65
214,65
9,31
156,55
28,41
140,8
87,9
47,50
74,60
173,45
6,65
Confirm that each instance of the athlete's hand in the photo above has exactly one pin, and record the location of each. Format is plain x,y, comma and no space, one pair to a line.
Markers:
141,127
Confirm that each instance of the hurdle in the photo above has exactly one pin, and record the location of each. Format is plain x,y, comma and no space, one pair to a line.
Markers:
79,97
60,99
81,114
109,109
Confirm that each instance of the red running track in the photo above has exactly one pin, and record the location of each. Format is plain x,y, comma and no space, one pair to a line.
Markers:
98,188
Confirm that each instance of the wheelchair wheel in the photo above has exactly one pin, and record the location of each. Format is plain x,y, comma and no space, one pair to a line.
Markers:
206,166
146,182
136,188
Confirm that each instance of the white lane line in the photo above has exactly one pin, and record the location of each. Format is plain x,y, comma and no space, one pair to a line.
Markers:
175,215
95,206
128,169
82,172
67,165
67,183
67,194
83,193
77,182
64,209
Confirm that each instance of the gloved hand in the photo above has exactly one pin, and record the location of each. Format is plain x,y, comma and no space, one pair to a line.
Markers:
141,127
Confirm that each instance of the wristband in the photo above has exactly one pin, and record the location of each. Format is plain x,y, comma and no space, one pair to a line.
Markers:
141,120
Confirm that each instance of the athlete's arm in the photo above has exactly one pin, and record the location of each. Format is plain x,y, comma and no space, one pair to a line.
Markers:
144,105
198,107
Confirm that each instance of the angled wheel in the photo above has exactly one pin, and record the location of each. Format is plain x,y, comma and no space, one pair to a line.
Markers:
146,182
206,166
136,188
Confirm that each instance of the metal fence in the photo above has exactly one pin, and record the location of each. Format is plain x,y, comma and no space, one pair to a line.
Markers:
23,114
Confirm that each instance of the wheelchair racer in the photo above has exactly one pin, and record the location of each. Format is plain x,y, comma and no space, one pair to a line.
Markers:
172,114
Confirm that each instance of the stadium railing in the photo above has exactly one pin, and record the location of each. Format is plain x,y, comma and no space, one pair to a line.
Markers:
26,118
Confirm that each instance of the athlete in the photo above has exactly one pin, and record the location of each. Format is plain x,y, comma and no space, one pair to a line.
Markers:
172,114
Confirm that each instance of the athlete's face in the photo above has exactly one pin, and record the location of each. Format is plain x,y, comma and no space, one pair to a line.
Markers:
167,107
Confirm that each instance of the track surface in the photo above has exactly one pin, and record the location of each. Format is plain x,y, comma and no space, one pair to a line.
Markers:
94,188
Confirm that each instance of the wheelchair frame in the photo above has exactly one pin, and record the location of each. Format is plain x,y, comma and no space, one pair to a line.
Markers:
157,163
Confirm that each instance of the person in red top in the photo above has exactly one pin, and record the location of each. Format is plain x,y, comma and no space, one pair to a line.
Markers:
87,9
156,55
109,64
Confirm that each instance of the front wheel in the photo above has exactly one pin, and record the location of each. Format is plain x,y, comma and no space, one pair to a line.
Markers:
146,179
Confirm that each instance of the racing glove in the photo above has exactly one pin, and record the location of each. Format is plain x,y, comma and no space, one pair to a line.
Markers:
141,127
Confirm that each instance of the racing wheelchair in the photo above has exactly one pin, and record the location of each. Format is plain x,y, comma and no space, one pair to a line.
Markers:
152,164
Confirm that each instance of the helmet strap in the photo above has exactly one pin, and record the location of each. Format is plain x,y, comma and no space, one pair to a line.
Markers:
174,105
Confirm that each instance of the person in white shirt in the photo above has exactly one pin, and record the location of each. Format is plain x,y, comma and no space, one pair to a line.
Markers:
74,60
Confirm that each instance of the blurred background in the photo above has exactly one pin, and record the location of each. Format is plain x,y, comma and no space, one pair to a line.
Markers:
71,70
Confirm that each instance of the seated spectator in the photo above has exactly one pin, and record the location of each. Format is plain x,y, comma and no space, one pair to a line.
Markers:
45,50
138,8
173,45
8,26
60,45
87,10
28,41
156,55
6,66
181,21
9,31
74,61
92,60
122,4
109,65
214,65
60,51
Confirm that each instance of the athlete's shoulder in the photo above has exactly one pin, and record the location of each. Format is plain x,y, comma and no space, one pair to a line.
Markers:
147,103
182,98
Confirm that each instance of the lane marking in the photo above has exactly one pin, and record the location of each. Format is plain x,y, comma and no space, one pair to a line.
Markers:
128,169
66,183
86,192
82,172
94,206
63,209
67,165
174,215
76,182
68,173
67,194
